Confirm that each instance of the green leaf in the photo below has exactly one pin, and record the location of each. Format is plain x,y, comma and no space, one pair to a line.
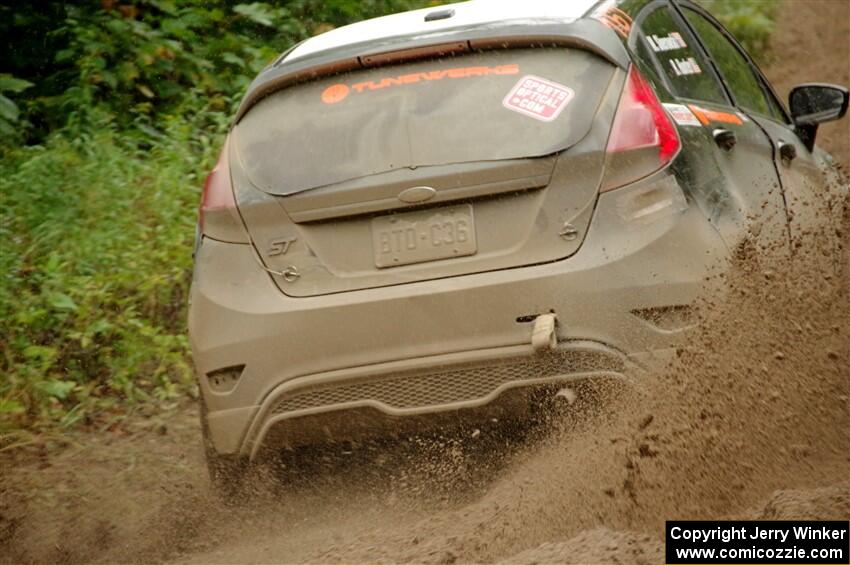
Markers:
233,59
257,12
62,301
5,128
8,109
56,388
8,83
146,91
64,55
109,78
40,352
100,326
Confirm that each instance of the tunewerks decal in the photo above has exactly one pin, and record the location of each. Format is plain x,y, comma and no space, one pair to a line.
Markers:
338,92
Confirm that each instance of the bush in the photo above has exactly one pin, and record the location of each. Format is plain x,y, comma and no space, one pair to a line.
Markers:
98,231
10,114
137,59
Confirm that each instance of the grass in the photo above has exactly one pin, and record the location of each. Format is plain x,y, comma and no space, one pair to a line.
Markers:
98,230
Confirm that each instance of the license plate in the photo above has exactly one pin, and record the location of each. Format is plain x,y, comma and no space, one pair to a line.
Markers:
416,237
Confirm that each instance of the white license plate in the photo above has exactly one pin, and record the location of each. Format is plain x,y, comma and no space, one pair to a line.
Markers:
416,237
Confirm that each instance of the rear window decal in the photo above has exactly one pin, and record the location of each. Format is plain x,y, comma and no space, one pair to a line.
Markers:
538,98
682,115
338,92
687,66
613,17
706,116
670,42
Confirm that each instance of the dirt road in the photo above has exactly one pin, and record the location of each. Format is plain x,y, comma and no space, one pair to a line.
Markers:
754,430
750,420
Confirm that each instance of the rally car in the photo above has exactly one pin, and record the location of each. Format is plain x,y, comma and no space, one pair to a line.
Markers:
423,217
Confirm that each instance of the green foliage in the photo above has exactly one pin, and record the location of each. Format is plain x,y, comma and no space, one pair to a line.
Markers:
9,112
143,63
139,58
97,233
750,21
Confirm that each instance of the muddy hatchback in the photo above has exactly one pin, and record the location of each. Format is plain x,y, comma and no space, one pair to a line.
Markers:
425,216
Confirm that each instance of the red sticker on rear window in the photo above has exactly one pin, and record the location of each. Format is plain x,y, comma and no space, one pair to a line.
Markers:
538,98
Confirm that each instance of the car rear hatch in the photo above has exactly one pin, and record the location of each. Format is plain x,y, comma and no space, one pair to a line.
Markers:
422,170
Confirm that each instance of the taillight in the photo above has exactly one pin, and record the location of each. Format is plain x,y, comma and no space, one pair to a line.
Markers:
642,139
218,217
218,192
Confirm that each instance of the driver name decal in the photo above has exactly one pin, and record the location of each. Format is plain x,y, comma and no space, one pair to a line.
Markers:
670,42
683,67
538,98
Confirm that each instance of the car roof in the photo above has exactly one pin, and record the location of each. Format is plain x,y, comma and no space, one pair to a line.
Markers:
474,12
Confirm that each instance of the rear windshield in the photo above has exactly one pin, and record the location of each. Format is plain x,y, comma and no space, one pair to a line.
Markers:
479,107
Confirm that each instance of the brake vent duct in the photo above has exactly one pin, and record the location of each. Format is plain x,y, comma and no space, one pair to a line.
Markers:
225,379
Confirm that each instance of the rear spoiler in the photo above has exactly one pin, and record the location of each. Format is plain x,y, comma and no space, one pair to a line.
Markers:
587,34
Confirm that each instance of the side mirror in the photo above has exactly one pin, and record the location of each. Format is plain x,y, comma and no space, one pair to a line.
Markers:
812,104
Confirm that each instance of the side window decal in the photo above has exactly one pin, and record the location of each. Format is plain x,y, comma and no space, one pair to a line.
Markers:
671,42
665,43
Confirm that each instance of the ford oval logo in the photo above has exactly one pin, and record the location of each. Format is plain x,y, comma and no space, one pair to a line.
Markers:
416,194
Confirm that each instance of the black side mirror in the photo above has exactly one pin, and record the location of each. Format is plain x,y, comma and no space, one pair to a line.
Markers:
812,104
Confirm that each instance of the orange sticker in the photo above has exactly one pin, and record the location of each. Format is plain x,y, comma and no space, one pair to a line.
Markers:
334,93
337,92
613,17
707,116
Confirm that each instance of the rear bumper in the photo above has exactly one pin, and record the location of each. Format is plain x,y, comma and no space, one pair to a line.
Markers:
380,398
436,346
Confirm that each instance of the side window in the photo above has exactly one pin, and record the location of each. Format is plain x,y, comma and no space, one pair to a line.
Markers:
664,43
742,81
